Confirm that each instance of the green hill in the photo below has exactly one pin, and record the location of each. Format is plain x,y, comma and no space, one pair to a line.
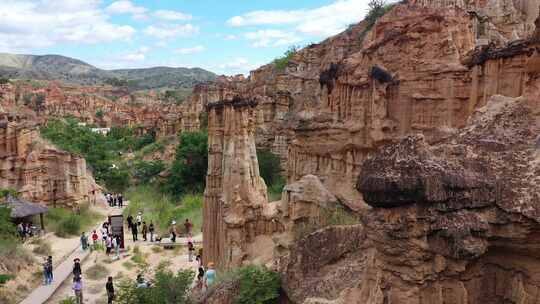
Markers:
70,70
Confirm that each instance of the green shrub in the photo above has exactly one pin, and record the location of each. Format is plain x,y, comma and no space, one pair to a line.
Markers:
281,63
4,80
258,285
65,222
270,171
68,300
168,288
376,9
68,226
188,172
5,277
100,113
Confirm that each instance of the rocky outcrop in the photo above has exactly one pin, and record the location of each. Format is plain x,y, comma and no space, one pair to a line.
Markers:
39,171
238,217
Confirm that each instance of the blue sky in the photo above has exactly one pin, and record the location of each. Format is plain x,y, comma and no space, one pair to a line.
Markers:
226,37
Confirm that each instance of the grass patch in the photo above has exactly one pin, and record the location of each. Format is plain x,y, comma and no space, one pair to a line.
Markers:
68,300
42,248
96,272
157,249
13,256
161,208
128,265
65,223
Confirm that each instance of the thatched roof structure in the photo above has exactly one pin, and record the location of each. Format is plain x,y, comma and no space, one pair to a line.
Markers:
22,208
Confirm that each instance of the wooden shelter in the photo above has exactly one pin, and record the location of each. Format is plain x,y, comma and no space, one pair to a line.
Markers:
22,209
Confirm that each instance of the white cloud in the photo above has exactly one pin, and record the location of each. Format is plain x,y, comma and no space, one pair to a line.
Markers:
171,15
239,65
230,37
126,7
27,25
267,38
322,22
191,50
168,31
138,55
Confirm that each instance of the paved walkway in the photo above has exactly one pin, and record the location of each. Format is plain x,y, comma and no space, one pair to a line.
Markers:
62,271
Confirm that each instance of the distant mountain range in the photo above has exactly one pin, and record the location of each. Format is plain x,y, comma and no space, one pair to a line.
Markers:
70,70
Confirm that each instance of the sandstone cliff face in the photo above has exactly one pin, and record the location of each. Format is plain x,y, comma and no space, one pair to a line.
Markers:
104,106
428,132
236,209
39,171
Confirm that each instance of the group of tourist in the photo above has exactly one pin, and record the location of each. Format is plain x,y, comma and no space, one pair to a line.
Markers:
25,230
139,224
115,199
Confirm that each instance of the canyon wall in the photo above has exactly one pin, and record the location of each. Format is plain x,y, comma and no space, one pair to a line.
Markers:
40,172
104,106
427,127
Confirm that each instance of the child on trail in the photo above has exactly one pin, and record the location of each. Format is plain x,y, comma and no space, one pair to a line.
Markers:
191,251
77,288
200,277
210,275
144,231
198,258
110,290
151,229
94,238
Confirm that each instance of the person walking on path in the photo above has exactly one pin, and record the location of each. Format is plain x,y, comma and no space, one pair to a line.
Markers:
172,230
120,200
188,225
78,289
116,246
109,244
198,258
46,272
130,221
77,271
200,277
103,232
20,230
139,218
151,229
134,232
84,241
191,251
144,231
49,270
110,290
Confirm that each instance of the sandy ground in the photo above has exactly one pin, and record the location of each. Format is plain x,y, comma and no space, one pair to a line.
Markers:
94,289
